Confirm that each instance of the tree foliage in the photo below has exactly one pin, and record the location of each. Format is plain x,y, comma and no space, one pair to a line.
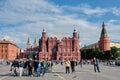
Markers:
103,55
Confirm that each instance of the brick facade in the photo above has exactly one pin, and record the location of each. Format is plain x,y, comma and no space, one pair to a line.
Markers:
8,50
53,49
104,42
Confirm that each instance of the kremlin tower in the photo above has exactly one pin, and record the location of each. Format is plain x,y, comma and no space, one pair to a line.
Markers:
104,42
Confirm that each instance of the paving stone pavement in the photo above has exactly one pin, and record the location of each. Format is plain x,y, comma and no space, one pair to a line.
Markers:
84,73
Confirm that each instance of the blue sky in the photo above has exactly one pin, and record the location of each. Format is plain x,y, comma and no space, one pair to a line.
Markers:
20,19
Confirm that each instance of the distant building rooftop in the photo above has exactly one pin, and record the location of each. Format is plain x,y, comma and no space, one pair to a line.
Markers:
4,41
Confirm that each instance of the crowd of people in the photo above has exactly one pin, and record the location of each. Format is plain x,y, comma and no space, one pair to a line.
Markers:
38,68
31,67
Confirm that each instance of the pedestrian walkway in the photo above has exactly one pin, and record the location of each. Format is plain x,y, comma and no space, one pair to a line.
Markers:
58,73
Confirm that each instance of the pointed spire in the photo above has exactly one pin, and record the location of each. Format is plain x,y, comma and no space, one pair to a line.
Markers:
104,32
43,29
35,43
28,41
103,25
28,44
74,29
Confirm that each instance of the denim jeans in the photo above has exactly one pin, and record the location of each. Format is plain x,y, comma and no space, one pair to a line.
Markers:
38,71
44,70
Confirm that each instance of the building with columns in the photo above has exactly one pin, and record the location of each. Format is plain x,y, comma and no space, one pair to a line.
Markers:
51,48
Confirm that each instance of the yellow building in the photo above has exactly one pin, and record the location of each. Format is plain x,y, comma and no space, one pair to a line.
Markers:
115,44
95,45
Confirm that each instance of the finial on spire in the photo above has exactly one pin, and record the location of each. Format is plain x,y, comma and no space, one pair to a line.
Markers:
103,25
43,29
74,29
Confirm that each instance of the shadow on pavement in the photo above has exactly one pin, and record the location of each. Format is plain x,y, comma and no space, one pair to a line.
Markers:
58,72
8,74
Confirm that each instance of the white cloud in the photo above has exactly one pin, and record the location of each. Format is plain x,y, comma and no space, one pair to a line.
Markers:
115,11
86,9
19,10
30,16
92,11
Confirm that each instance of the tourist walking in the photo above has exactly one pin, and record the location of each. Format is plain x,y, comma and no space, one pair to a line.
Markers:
39,67
44,67
72,62
51,65
67,64
14,67
21,66
96,64
25,68
30,67
35,65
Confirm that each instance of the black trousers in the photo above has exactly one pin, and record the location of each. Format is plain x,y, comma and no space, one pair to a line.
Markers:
67,69
96,67
30,71
73,68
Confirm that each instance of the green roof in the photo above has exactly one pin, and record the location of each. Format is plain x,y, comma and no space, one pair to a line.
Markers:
104,32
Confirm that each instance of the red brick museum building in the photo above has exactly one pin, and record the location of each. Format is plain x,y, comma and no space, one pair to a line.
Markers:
51,48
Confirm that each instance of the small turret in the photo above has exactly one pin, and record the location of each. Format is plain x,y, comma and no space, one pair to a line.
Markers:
44,33
28,46
35,43
74,33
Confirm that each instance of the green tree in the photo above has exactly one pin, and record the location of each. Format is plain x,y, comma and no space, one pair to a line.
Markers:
115,52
